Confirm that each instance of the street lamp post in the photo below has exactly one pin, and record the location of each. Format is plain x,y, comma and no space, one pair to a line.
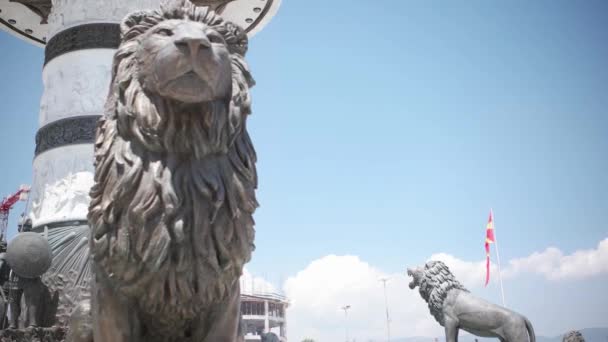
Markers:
345,308
388,320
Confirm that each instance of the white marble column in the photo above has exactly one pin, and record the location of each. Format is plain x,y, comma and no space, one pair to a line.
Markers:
76,78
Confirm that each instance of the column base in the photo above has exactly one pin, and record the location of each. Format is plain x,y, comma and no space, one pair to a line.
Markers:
54,334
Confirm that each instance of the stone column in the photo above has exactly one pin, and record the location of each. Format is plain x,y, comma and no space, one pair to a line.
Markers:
82,37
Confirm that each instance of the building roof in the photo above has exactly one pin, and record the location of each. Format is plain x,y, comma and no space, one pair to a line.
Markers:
266,296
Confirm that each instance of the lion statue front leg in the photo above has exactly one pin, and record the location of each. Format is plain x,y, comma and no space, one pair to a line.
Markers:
223,320
114,316
116,322
451,329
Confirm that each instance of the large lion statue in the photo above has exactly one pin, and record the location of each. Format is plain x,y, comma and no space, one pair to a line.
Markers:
174,194
573,336
454,307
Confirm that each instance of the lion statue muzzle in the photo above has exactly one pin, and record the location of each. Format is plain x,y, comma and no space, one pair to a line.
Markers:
174,194
454,307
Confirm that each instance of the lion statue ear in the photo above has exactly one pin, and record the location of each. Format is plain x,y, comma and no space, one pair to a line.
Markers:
236,38
177,8
133,20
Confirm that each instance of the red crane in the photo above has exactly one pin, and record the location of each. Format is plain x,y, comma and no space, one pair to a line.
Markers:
7,204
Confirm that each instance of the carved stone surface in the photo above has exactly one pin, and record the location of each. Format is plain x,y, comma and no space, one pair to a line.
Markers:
88,36
75,130
70,272
62,180
29,255
450,303
75,85
86,12
69,13
171,210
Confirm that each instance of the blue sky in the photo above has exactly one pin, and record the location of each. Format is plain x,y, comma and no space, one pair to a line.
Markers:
387,132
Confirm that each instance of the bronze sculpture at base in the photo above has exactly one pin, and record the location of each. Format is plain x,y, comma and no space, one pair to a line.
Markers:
171,208
454,307
27,257
269,337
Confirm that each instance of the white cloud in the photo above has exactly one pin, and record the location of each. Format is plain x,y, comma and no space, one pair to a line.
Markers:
251,284
550,263
470,274
318,292
554,265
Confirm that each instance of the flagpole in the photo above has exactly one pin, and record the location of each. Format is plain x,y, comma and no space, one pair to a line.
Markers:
502,290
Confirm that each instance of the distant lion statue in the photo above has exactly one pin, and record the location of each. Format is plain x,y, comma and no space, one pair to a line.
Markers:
268,337
174,194
454,307
573,336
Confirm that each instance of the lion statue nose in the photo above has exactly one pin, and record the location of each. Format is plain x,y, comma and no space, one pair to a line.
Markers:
193,44
191,39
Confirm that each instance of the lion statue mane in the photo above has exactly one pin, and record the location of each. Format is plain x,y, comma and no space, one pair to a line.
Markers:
573,336
434,284
174,194
454,307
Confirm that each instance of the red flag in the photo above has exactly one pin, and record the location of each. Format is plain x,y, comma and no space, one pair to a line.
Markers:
489,240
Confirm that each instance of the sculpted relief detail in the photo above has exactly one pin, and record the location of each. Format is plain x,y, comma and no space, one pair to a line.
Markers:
62,180
69,13
73,87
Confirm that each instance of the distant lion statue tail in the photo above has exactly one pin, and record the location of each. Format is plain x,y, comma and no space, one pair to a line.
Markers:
531,335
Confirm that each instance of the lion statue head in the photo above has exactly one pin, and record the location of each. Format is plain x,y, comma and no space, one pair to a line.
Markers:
171,208
434,280
573,336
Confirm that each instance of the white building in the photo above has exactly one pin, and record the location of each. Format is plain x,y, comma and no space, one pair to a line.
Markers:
264,312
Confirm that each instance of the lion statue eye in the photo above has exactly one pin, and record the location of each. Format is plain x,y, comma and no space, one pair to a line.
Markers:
164,32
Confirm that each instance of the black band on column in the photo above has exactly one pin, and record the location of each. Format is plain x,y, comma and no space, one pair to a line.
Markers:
88,36
69,131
